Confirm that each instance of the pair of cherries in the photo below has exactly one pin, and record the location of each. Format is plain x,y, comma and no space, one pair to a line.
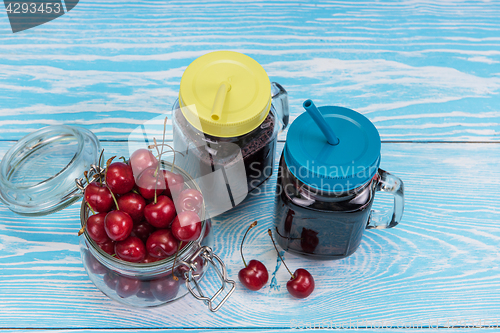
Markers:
135,217
254,276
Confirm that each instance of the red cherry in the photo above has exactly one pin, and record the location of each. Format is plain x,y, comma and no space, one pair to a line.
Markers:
108,247
146,183
174,183
118,225
160,214
93,265
133,204
127,287
142,230
254,276
165,289
183,269
111,280
131,249
301,284
119,178
162,243
189,200
98,197
149,259
140,160
309,240
289,222
186,226
145,292
95,228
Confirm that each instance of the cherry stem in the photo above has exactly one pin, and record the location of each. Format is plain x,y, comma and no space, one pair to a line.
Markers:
243,240
99,166
112,194
284,236
173,151
93,212
123,158
86,175
164,130
81,231
157,171
279,255
163,143
175,258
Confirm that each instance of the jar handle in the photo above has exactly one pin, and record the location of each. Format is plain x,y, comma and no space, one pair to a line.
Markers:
388,219
280,104
206,253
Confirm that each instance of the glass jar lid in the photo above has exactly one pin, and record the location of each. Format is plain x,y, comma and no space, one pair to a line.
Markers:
37,175
225,94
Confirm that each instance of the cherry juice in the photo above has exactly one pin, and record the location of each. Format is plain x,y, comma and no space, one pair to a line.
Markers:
204,154
320,225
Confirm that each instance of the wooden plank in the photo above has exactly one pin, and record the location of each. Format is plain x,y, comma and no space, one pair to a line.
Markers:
439,264
207,330
419,71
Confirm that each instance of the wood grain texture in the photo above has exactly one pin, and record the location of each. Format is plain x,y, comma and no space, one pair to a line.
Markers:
208,330
439,264
420,70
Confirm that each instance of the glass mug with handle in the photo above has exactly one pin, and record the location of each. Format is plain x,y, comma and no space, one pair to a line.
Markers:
327,179
225,126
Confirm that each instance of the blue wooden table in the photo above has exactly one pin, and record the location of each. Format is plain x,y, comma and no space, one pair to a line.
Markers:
426,73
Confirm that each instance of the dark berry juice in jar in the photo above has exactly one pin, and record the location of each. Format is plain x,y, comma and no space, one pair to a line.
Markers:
327,179
225,125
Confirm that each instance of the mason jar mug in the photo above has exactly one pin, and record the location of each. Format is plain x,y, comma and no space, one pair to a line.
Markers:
225,125
327,179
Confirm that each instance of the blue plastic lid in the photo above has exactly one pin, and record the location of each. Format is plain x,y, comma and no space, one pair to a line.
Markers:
333,168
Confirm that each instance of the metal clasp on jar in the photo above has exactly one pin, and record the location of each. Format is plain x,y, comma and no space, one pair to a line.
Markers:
191,278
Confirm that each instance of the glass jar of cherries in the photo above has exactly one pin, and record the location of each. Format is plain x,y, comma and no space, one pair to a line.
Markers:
145,234
163,257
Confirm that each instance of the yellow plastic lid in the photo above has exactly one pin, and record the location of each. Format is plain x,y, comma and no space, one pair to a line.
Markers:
225,94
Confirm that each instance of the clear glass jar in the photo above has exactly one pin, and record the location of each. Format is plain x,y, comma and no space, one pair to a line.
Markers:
44,173
326,225
255,149
327,179
160,282
225,125
37,175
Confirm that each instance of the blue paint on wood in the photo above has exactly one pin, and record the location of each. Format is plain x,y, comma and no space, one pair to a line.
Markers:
421,71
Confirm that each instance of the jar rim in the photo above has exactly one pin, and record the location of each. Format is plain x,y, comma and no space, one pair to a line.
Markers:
42,199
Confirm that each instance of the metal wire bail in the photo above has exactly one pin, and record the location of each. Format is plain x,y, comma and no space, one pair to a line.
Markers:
93,174
209,256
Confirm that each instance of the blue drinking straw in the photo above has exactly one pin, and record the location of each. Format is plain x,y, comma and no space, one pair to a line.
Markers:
321,122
